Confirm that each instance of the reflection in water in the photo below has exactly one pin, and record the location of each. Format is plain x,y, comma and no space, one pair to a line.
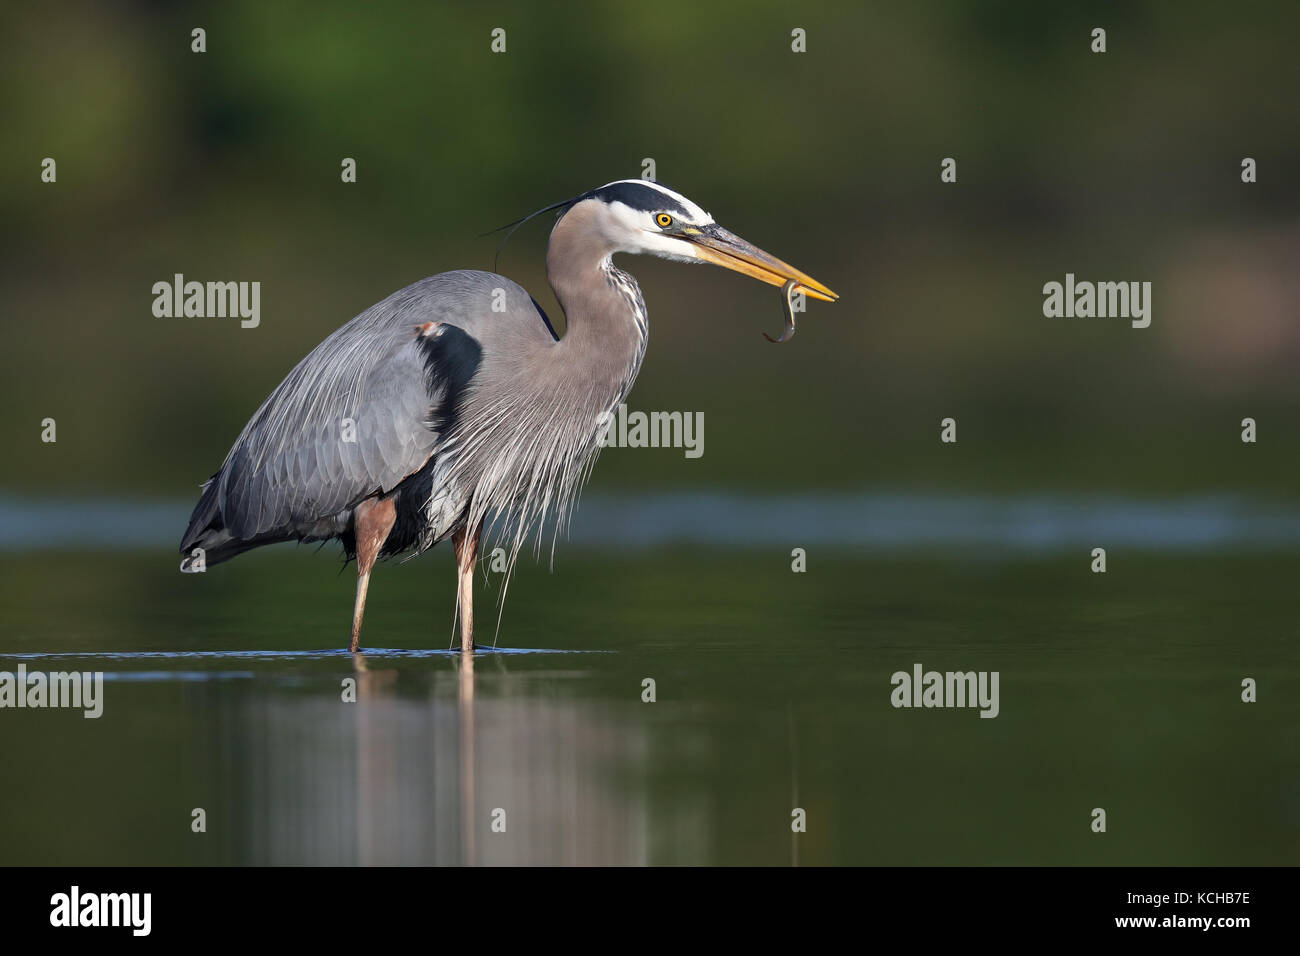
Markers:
419,771
465,691
774,693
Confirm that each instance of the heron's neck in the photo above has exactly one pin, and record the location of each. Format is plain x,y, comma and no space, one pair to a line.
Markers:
604,314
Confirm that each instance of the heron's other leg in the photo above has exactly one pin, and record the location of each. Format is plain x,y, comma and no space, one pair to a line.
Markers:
371,522
466,544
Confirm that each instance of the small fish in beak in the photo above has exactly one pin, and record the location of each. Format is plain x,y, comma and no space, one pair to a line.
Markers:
722,248
788,334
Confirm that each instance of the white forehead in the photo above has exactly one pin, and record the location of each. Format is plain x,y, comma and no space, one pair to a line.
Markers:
696,213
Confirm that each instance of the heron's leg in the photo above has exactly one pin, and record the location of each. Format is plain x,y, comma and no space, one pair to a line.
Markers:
371,522
466,544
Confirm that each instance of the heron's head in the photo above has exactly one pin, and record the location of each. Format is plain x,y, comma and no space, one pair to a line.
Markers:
642,217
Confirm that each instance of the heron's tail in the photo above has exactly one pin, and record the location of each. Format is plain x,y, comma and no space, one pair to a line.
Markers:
207,536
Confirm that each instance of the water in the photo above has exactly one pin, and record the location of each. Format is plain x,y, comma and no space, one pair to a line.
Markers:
878,522
223,691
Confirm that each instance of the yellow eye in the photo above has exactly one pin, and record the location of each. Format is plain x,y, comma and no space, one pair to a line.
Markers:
664,220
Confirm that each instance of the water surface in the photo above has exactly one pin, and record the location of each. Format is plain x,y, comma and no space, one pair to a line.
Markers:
224,691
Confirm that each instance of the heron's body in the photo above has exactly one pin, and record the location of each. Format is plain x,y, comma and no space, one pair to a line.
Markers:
450,404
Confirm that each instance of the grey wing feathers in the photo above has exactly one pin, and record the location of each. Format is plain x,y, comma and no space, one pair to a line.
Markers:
376,380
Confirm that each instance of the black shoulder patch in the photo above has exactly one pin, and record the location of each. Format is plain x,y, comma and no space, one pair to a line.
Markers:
451,358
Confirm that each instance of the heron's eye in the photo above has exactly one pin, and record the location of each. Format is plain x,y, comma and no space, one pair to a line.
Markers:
664,220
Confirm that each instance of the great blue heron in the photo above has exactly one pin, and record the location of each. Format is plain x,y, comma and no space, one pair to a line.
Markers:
453,402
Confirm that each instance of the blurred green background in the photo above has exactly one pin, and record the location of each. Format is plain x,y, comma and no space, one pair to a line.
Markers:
1120,690
1121,166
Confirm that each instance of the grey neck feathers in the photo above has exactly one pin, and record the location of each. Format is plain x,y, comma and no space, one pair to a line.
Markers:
605,316
531,450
